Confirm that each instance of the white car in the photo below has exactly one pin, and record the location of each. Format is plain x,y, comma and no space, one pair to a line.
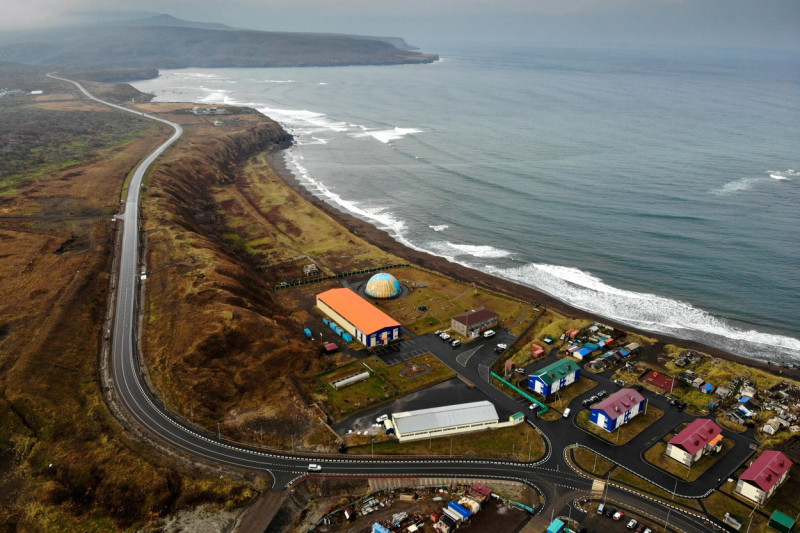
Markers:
382,418
444,336
488,333
632,524
313,467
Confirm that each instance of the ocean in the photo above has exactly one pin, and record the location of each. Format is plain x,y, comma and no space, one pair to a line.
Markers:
656,188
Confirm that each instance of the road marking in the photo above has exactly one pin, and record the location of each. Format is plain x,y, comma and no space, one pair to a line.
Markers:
464,357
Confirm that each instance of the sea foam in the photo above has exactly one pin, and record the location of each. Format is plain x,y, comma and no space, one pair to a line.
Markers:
452,250
650,312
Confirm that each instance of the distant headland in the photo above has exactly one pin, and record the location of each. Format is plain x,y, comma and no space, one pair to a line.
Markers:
167,42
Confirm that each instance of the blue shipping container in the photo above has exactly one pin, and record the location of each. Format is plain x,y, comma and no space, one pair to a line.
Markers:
460,509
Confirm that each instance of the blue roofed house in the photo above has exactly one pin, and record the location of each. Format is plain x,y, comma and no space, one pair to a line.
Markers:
617,409
555,377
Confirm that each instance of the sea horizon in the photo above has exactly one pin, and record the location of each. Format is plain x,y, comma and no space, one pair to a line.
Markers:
656,192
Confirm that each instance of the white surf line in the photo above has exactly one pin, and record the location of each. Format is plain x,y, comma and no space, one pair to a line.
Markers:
464,357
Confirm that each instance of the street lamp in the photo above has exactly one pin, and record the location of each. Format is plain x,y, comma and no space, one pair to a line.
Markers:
373,446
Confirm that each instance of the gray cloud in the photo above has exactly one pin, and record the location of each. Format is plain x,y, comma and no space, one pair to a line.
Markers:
744,23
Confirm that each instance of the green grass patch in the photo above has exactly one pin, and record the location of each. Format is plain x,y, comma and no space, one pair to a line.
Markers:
624,433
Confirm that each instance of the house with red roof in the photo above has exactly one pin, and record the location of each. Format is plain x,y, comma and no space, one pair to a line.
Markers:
617,409
368,324
471,323
764,476
701,436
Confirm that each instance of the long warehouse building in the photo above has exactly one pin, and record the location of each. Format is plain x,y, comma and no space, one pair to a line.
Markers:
366,323
448,420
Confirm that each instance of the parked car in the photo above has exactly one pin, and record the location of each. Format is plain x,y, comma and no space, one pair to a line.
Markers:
586,402
611,511
382,418
438,332
519,370
618,516
632,524
594,398
640,529
619,382
444,336
638,388
500,348
601,509
647,530
488,333
455,343
601,393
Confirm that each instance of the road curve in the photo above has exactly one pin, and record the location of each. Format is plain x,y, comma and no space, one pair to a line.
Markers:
143,408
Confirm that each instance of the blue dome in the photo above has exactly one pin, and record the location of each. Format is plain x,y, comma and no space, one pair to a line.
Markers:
383,285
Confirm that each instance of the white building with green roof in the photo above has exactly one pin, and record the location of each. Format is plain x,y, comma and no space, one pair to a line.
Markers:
555,377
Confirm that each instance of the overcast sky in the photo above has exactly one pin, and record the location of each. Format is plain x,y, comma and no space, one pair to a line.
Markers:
434,23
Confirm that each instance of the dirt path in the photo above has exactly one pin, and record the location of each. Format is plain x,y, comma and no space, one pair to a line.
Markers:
260,514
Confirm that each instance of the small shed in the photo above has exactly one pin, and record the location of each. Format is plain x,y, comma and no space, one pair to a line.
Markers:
722,392
557,526
781,522
537,350
708,388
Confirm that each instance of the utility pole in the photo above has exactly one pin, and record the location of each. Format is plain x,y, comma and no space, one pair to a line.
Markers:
675,489
666,522
219,434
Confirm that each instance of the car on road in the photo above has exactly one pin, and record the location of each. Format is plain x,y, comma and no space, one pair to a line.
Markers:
500,348
601,393
632,524
566,412
619,382
488,333
382,418
618,516
313,467
455,343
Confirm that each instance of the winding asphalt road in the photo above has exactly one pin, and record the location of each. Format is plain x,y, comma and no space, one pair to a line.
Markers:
550,475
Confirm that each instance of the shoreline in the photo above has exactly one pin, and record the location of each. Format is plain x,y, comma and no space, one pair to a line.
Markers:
382,239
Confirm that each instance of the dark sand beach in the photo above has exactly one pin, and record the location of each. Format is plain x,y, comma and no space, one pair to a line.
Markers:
435,263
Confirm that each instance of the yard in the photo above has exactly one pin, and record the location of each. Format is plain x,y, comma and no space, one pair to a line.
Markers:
626,432
656,456
517,443
383,384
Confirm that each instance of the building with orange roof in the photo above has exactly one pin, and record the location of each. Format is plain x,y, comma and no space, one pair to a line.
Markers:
365,322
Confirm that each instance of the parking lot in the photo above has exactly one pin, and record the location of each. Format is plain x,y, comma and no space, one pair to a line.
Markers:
398,352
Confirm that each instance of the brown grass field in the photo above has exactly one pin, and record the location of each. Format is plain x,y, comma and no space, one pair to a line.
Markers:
65,464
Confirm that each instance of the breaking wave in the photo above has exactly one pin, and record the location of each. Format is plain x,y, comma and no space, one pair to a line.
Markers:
732,187
651,312
386,136
451,250
440,227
